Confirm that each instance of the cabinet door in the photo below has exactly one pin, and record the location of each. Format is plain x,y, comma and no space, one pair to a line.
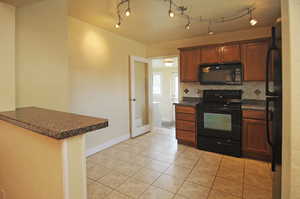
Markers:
210,55
254,57
254,139
231,53
189,64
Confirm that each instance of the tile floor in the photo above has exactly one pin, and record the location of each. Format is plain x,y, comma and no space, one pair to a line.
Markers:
154,166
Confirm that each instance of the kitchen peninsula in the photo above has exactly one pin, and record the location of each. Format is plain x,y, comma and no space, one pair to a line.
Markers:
43,153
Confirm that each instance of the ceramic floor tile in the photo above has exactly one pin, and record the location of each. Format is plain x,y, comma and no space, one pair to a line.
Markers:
203,179
258,181
179,197
178,171
158,166
97,191
233,163
234,174
221,195
185,162
126,168
97,171
193,191
117,195
228,186
169,183
156,193
147,176
251,192
113,179
206,169
133,188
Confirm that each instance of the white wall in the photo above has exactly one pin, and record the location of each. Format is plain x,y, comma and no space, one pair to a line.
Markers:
7,57
42,55
99,71
291,99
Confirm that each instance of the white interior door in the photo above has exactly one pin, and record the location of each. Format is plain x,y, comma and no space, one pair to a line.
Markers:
140,95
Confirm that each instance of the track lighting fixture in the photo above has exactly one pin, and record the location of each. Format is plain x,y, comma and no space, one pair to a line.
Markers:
171,13
127,13
252,20
188,25
118,25
124,10
210,32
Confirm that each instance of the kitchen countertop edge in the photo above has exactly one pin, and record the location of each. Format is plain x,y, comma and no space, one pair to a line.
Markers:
56,134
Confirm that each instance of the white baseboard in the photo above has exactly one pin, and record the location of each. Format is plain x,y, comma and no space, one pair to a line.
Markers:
105,145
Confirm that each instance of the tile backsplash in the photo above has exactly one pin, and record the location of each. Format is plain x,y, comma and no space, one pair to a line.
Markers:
251,90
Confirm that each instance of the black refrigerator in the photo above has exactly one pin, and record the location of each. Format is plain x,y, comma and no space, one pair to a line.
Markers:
274,107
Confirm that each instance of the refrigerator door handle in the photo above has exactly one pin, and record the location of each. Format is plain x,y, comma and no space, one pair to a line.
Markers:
268,121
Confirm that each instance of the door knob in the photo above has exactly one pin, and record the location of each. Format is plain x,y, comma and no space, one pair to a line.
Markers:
133,100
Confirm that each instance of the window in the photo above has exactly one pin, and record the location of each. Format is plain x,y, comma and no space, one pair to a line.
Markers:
156,83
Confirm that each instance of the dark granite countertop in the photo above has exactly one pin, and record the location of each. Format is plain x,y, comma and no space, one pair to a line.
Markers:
253,104
189,101
55,124
247,104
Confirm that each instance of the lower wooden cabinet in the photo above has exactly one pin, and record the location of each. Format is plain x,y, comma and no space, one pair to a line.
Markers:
186,125
255,143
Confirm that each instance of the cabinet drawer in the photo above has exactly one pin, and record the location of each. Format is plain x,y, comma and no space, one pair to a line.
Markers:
186,136
185,109
186,117
186,125
253,114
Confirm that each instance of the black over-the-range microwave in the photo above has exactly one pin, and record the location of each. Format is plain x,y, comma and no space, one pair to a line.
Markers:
221,74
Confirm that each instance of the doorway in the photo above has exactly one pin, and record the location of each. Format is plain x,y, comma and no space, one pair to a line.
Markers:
165,92
139,96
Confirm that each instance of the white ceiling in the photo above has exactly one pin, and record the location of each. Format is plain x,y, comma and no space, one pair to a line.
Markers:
150,23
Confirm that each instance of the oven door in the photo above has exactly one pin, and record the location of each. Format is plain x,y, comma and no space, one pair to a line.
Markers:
220,123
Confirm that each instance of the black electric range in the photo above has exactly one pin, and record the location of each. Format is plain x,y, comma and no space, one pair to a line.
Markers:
220,122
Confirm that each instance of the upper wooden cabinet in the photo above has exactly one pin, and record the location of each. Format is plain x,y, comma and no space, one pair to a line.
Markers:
221,54
189,63
254,57
230,53
210,55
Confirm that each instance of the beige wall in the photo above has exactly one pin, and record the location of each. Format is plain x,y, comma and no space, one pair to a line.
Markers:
42,55
31,164
170,47
7,57
99,71
291,99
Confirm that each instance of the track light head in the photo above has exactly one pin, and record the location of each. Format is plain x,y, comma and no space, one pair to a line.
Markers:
188,26
252,20
118,25
127,12
171,14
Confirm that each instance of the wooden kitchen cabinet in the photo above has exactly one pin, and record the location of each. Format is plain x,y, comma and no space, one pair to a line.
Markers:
210,54
186,125
189,64
254,57
221,54
255,143
230,53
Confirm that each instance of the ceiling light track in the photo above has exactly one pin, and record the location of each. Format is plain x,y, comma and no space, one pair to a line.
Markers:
182,11
121,12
